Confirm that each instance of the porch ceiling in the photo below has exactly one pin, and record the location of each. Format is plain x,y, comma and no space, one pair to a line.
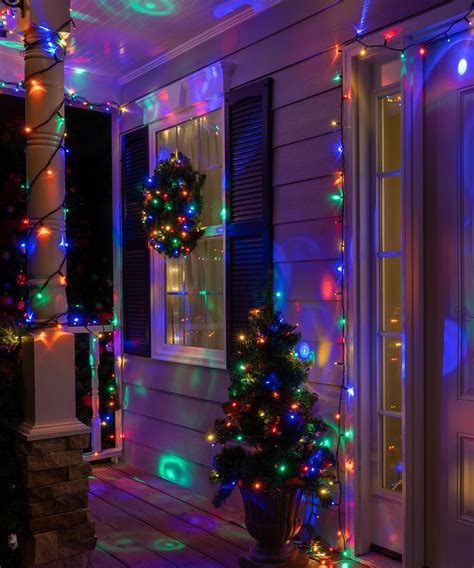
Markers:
115,37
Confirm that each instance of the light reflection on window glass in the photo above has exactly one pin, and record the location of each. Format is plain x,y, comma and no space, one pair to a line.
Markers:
392,459
195,284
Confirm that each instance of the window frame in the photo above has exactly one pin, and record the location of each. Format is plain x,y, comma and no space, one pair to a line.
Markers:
160,350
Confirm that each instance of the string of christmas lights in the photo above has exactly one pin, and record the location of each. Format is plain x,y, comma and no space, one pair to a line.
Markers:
108,392
55,45
318,550
444,34
72,97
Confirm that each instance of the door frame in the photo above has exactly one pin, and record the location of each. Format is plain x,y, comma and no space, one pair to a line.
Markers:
357,231
358,174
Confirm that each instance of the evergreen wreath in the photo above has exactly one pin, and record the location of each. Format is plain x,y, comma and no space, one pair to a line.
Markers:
173,206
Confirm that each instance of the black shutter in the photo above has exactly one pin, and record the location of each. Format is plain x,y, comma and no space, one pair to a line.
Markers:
249,199
136,255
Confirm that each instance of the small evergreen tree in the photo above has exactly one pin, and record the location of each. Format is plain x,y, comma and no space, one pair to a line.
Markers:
271,439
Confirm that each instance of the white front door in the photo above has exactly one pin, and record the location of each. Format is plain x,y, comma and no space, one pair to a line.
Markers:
449,302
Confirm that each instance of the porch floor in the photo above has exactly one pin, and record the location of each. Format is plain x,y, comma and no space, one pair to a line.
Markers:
142,520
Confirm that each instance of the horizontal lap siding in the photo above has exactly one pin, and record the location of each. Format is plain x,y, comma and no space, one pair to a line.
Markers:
176,403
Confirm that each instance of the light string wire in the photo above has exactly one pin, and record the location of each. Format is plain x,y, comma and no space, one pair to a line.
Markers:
315,551
52,41
72,97
55,42
342,363
343,388
465,17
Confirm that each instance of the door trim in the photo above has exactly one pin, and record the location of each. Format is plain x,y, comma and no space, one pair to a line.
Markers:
356,154
358,234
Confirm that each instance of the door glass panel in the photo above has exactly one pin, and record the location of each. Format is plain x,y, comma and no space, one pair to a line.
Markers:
392,374
390,122
391,300
392,453
390,214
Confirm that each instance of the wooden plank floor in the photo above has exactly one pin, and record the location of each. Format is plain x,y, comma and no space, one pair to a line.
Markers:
144,521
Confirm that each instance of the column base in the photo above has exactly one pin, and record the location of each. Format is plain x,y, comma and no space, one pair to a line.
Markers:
79,561
58,528
31,431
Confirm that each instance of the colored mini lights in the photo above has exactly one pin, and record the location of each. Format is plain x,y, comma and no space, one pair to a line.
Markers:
172,207
274,405
391,34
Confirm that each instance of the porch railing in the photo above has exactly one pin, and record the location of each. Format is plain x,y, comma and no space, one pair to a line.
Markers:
95,334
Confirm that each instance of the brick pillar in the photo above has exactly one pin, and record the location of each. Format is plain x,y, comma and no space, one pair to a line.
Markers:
58,530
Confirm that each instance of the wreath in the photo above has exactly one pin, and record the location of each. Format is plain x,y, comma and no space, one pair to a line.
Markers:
173,206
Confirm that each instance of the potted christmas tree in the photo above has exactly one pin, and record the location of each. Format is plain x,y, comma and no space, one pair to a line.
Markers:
272,446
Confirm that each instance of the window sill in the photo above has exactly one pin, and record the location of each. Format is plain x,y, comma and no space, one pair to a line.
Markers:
209,358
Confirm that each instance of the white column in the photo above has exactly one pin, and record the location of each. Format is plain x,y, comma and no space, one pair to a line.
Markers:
48,354
46,243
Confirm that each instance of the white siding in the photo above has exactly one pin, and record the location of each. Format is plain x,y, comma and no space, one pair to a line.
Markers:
170,406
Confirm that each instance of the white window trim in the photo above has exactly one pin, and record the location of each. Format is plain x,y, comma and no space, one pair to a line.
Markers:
160,350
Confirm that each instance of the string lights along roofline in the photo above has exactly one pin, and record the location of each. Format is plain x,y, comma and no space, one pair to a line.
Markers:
70,97
442,34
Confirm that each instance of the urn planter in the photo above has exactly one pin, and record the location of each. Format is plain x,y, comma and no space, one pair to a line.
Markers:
272,519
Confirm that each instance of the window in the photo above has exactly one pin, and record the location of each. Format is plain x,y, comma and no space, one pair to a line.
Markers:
188,293
388,286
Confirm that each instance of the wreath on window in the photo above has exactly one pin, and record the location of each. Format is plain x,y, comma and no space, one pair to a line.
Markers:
173,206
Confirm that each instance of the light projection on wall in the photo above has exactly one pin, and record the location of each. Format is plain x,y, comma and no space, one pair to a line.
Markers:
11,44
81,16
174,469
454,337
148,7
225,8
361,26
462,66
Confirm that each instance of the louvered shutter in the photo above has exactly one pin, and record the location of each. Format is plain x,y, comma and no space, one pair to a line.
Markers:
249,199
136,256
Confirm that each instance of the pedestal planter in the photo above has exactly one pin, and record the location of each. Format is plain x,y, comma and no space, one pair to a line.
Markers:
272,519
